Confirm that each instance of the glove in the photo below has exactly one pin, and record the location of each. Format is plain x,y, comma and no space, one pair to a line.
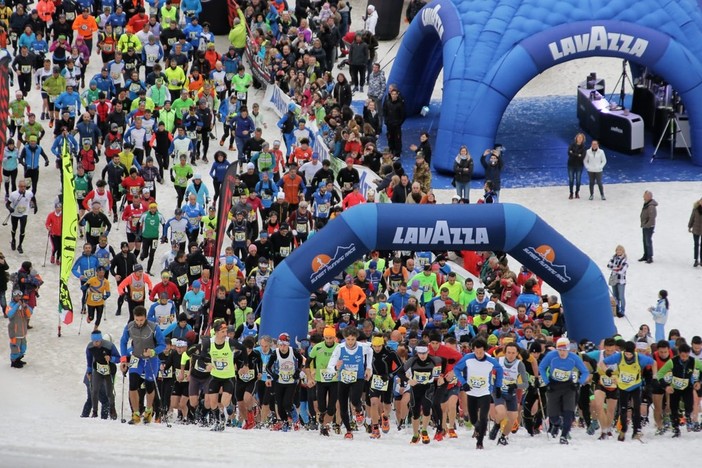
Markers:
294,232
106,295
84,287
33,206
46,162
465,387
498,392
609,372
511,388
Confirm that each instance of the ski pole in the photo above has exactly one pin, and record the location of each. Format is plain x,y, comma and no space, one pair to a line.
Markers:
543,414
4,223
81,322
46,249
124,376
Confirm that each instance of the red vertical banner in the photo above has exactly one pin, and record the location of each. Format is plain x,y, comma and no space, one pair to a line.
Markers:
5,59
225,204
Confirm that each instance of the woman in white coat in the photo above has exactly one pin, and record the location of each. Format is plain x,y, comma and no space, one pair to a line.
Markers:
595,161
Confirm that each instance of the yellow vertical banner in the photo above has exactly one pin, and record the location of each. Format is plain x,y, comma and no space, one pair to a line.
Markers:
69,231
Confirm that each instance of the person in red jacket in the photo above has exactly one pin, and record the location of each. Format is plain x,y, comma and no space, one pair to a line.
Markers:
136,23
167,286
354,198
53,225
133,184
447,387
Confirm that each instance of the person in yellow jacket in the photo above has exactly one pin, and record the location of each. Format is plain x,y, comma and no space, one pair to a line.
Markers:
237,35
127,40
169,14
175,78
229,273
97,291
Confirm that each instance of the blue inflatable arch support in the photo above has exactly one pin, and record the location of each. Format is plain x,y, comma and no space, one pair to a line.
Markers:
505,227
490,49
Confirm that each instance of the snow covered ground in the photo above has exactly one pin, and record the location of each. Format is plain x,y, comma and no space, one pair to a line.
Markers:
40,404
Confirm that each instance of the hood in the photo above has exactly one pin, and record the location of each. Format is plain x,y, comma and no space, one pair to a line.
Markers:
651,202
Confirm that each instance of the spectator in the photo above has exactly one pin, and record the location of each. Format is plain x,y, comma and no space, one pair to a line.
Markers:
358,58
394,115
695,227
660,313
463,173
424,147
370,20
618,266
493,168
576,157
595,161
648,224
422,173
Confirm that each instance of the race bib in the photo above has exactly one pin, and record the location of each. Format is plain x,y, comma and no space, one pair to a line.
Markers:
241,96
607,382
327,376
679,384
95,232
134,191
348,376
626,377
104,261
80,194
240,237
167,374
191,134
477,382
220,365
149,184
195,270
181,180
378,383
301,227
102,369
286,376
284,251
422,377
70,15
137,296
247,376
323,208
21,209
133,362
560,375
96,297
107,48
89,273
182,280
26,69
179,236
150,59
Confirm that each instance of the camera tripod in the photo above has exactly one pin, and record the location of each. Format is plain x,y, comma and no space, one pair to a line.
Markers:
671,128
623,78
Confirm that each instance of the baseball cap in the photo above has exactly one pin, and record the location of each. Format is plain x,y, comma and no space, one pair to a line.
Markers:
284,338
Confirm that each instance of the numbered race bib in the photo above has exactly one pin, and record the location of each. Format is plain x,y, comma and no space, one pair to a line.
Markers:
241,237
151,59
134,191
247,376
285,376
107,48
679,384
181,180
182,280
191,134
95,232
70,15
422,377
167,374
284,251
220,365
477,382
349,376
80,194
179,236
96,297
327,376
607,382
301,227
323,208
626,377
195,270
149,184
560,375
378,383
133,362
137,296
89,273
26,69
21,209
102,369
241,96
266,196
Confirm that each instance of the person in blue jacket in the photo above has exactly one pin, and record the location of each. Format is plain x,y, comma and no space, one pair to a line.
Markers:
245,127
475,374
562,372
69,100
85,268
179,328
105,83
287,125
29,158
192,32
143,364
57,147
191,8
218,171
193,212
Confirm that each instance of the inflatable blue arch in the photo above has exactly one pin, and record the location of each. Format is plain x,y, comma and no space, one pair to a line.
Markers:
505,227
489,49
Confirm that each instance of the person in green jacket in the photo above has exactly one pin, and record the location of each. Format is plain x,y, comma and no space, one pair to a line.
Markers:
237,36
53,86
169,14
148,232
180,174
427,281
182,105
168,116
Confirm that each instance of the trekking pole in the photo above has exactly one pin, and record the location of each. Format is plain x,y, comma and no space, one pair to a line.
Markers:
46,249
124,376
543,414
81,322
4,223
629,321
158,394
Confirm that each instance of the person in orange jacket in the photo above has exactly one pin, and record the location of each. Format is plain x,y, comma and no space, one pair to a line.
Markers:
352,295
53,225
354,198
86,26
137,284
45,10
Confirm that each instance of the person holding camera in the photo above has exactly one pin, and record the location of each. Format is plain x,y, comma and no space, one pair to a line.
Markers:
492,162
18,313
595,161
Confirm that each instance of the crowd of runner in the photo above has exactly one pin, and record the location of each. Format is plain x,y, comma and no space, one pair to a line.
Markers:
399,341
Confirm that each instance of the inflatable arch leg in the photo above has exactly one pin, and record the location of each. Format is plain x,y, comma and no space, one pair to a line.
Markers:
506,227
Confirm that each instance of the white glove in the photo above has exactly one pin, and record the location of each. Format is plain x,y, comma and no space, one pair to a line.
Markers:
294,232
